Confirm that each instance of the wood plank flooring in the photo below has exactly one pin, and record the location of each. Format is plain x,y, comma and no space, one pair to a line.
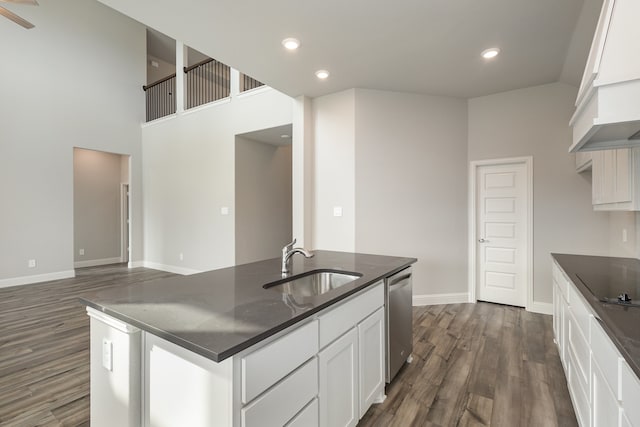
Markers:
474,364
478,365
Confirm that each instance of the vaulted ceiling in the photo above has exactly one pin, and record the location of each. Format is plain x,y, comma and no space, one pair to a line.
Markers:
421,46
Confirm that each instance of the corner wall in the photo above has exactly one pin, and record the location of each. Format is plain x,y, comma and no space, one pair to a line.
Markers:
73,81
534,122
189,176
411,187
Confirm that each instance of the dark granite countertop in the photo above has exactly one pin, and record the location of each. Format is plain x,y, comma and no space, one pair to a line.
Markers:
604,275
221,312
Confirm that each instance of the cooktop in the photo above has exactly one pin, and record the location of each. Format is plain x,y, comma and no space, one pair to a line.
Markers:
618,283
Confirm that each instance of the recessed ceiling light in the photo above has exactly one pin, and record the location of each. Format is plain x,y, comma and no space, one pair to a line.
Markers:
322,74
291,43
490,53
285,136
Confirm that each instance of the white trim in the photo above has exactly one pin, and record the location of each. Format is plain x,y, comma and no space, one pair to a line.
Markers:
208,105
436,299
170,268
541,307
97,262
473,166
110,321
26,280
159,120
124,216
135,264
254,91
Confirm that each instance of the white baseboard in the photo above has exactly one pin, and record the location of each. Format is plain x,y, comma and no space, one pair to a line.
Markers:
97,262
436,299
170,268
135,264
26,280
541,307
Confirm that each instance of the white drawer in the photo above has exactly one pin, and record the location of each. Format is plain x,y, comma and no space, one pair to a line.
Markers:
578,308
605,354
344,317
285,400
630,391
578,396
580,348
269,364
308,417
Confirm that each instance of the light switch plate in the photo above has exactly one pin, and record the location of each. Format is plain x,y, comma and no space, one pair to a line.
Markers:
337,211
107,354
224,210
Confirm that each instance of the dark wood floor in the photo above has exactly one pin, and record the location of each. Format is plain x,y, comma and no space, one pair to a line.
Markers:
474,364
478,365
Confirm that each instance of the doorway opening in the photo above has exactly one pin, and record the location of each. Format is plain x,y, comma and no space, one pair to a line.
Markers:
263,193
101,208
501,231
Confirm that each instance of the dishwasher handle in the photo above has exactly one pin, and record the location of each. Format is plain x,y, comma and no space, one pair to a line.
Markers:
396,280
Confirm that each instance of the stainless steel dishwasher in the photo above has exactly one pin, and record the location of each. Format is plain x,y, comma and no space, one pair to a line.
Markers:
399,331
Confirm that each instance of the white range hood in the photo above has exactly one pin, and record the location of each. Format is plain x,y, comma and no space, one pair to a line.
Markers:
607,112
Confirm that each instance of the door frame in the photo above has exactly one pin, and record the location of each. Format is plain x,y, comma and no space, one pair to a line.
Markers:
125,228
473,170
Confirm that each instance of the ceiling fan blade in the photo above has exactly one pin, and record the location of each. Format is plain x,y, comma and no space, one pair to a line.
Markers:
15,18
33,2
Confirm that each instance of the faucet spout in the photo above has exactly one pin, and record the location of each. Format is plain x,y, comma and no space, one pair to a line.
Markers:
288,251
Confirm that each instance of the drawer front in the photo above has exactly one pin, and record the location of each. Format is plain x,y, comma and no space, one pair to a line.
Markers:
580,348
630,391
285,400
308,417
605,354
580,312
269,364
340,319
578,396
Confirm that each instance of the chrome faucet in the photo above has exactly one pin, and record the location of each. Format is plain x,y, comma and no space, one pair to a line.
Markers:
288,251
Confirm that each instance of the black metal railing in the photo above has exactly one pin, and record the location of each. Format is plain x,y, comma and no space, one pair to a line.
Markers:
205,82
159,98
248,83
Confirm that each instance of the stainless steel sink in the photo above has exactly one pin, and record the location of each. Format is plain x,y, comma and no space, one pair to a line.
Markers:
313,283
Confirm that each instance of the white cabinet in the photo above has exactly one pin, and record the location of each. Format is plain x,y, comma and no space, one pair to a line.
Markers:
604,391
371,360
614,174
338,371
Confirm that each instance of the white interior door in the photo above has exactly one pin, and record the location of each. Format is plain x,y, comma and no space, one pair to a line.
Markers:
501,233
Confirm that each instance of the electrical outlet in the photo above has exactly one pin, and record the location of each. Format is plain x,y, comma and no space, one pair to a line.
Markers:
337,211
181,256
31,263
224,210
107,354
81,251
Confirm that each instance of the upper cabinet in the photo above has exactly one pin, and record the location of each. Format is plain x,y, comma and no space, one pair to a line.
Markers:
615,180
608,105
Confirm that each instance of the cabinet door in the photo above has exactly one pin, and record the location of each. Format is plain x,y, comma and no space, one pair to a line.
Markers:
338,369
371,359
605,409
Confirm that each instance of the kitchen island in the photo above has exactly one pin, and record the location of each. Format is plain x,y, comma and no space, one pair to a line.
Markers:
218,348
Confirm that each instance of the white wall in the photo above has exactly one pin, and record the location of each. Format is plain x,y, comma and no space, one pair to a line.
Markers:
189,175
534,122
411,184
334,171
97,179
263,200
72,81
